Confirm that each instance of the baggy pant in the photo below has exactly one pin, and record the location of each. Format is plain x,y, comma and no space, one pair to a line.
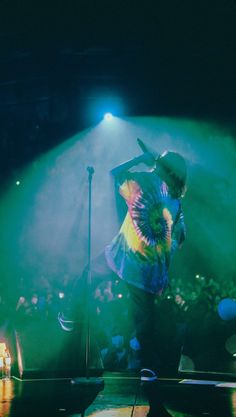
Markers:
141,305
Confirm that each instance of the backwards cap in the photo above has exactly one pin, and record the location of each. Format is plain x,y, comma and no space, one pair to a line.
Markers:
174,165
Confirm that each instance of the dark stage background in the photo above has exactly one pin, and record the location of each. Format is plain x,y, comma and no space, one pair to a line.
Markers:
167,71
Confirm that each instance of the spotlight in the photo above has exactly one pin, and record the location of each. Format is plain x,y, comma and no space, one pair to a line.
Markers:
108,117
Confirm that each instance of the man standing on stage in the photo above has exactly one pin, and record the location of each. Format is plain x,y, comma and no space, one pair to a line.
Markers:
142,251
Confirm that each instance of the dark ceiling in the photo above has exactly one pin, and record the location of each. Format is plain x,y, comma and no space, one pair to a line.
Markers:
167,57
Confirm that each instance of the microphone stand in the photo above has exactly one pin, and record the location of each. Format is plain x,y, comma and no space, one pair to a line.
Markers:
91,385
89,277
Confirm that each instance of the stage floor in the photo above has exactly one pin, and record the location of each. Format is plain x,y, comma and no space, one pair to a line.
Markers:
120,397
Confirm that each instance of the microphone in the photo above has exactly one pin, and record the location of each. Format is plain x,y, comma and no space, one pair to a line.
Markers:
146,149
90,170
142,145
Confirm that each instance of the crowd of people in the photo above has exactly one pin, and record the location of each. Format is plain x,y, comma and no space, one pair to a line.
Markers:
182,303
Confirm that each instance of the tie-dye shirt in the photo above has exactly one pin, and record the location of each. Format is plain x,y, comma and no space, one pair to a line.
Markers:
152,229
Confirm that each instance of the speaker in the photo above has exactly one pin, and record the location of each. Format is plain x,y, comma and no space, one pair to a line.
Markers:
43,350
209,348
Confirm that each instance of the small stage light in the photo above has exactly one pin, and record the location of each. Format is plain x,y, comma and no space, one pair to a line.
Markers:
61,295
108,117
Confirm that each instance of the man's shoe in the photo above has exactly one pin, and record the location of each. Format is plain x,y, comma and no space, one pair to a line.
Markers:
147,375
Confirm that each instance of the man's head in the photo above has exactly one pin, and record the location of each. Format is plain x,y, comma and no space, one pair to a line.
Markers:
171,167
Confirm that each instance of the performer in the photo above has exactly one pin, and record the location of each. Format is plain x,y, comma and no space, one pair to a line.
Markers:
142,251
